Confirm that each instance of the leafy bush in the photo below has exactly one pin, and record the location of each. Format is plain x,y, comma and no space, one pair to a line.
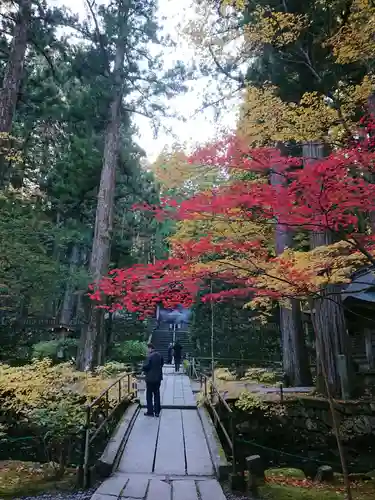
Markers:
48,402
112,369
249,402
261,375
130,351
224,374
57,350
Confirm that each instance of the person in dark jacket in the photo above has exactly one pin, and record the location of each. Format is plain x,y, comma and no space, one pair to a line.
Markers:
153,369
177,353
170,354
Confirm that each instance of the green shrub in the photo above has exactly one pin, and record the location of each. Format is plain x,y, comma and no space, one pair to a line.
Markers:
261,375
130,351
48,402
249,402
58,350
224,374
112,369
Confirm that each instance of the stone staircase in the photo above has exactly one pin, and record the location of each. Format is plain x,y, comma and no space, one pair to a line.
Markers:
163,336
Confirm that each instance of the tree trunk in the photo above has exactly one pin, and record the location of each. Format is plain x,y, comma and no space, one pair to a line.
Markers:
92,348
14,68
294,350
12,79
327,315
69,296
295,356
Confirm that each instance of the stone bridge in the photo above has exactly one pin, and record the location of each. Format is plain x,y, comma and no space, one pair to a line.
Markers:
173,457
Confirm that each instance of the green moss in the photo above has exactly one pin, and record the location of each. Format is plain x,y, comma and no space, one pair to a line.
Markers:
277,492
286,472
26,478
360,491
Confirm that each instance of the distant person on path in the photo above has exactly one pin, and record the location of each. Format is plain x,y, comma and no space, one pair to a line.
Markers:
177,353
170,354
153,368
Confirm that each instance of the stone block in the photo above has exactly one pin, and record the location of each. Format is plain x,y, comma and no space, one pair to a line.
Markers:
255,467
324,474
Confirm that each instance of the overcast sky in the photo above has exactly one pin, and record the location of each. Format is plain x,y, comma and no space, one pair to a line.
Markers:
200,128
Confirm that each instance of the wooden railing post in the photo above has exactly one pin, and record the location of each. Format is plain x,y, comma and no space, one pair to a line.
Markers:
107,404
233,439
91,433
86,478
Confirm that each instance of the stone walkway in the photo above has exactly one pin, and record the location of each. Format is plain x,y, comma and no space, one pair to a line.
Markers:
175,391
166,458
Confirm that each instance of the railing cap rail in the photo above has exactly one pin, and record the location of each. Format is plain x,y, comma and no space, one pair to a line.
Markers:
216,390
107,389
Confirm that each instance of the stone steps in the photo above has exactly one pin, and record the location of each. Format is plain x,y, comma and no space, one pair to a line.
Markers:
162,337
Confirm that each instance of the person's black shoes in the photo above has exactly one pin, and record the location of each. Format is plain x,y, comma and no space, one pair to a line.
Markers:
157,415
149,414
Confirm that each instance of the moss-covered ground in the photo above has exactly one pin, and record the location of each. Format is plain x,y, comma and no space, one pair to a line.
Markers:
19,479
290,484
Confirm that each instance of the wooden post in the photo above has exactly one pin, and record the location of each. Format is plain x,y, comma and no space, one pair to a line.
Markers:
86,478
233,439
344,378
369,349
107,404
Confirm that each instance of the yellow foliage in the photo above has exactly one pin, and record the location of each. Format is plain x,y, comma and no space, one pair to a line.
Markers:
266,119
173,170
239,230
236,4
355,41
276,28
9,148
30,386
307,273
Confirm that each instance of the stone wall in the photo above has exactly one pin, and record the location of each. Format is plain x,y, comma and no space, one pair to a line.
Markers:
303,428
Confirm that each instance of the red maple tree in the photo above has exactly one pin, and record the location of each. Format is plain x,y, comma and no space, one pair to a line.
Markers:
330,195
141,288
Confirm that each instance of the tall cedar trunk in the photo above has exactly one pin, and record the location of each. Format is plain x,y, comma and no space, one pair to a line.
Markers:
14,68
13,75
51,306
294,350
70,297
328,316
93,343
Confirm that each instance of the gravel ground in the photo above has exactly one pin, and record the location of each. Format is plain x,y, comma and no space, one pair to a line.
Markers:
76,495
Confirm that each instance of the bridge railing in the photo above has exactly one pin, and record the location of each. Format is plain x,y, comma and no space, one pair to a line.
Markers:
100,411
219,409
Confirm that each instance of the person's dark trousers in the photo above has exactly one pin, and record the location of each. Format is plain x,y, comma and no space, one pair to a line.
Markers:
177,363
153,398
